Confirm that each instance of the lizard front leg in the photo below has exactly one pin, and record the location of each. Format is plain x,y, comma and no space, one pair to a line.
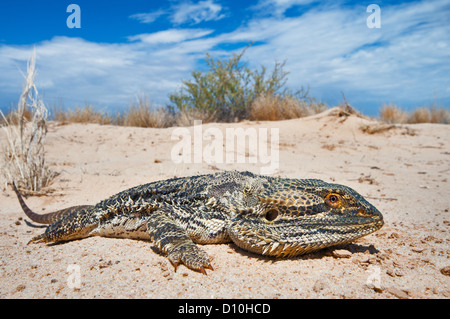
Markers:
174,241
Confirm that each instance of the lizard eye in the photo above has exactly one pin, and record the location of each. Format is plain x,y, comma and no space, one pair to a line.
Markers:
334,200
271,215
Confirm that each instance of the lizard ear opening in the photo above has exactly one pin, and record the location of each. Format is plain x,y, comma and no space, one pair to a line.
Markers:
271,215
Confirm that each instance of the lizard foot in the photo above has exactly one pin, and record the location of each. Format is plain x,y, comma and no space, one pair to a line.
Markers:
39,239
191,256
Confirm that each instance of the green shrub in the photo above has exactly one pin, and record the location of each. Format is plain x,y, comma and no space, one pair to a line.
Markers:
228,88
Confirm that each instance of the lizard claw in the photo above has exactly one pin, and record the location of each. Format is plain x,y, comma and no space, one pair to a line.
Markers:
175,265
202,269
207,266
38,239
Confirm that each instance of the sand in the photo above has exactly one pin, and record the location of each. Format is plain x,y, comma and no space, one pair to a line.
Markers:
403,170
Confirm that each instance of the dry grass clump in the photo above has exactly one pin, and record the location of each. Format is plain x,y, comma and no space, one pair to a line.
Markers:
11,117
143,115
274,108
392,114
86,114
140,114
432,114
24,155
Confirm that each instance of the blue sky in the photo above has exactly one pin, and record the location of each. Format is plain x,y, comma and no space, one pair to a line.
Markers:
126,49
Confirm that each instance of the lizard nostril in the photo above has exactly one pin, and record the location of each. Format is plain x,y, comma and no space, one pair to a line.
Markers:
271,215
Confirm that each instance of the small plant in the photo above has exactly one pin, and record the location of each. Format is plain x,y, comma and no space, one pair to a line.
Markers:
24,155
142,115
227,90
86,114
430,114
275,108
139,114
392,114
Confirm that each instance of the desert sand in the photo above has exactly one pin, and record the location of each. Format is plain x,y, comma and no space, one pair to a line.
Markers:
403,170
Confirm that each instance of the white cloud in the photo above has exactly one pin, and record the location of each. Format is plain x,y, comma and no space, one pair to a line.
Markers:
171,35
148,17
185,13
194,13
278,7
79,71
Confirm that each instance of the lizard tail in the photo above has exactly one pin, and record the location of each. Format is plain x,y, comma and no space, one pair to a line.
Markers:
48,218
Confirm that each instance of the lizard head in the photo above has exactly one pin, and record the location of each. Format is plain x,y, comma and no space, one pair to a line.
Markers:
288,217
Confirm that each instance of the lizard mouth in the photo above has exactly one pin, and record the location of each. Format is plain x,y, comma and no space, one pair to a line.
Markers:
304,237
357,223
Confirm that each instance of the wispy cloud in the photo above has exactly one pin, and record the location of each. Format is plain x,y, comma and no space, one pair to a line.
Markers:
148,17
278,7
185,13
194,13
170,36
